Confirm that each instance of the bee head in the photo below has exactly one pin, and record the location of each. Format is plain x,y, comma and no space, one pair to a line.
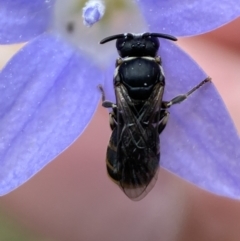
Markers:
137,45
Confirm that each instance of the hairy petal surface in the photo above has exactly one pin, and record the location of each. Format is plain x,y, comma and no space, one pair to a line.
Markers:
48,95
186,18
22,20
200,143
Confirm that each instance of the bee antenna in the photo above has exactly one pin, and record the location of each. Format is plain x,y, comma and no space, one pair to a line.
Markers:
117,36
162,35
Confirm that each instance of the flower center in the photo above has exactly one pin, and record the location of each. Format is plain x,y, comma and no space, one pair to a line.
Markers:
72,19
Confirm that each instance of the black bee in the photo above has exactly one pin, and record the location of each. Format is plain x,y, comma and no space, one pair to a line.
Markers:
140,114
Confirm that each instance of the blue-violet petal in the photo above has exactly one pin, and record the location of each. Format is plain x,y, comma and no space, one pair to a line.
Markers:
200,142
22,20
48,96
186,18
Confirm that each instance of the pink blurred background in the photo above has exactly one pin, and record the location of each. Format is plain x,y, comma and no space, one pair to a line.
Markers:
73,199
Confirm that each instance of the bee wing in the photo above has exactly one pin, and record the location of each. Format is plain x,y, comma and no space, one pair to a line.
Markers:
130,119
138,143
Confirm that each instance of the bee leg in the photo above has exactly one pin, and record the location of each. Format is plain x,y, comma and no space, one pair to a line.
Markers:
178,99
112,120
119,61
164,114
106,103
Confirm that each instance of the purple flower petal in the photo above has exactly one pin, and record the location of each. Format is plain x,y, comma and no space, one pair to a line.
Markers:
48,95
200,142
185,18
22,20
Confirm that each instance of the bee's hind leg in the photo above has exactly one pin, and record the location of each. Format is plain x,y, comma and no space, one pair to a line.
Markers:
164,114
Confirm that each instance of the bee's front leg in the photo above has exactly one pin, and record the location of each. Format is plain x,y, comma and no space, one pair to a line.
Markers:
106,103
